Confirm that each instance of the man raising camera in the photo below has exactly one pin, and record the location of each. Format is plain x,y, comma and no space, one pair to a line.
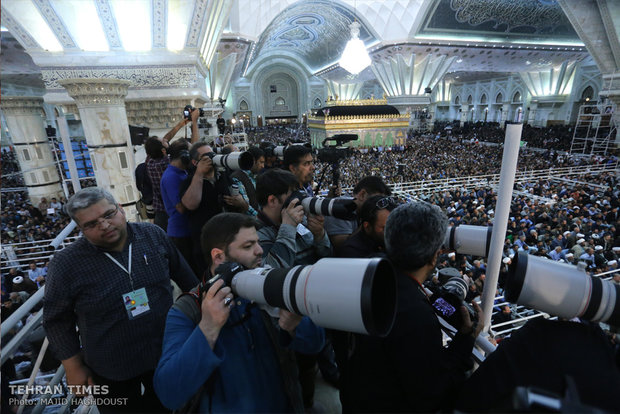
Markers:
199,196
225,351
410,370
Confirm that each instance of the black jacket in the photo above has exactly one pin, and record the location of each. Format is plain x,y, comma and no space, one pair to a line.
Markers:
409,370
359,244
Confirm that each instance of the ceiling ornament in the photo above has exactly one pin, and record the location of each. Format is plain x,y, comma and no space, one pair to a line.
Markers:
219,75
556,81
399,77
355,57
538,14
344,91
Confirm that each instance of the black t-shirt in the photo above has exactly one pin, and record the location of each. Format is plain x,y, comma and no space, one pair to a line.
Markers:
209,205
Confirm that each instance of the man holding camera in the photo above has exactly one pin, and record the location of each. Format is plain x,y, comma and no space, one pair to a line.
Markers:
199,196
246,181
410,370
339,230
178,223
288,242
368,240
298,160
225,351
284,220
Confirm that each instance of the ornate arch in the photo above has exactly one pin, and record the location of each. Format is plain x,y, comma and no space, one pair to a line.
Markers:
267,66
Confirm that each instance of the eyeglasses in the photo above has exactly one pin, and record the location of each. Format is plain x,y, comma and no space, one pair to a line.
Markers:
385,202
106,217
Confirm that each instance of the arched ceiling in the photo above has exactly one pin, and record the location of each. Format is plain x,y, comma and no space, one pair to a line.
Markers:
316,30
488,36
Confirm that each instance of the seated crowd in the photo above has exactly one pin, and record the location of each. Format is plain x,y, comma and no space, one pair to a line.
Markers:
212,351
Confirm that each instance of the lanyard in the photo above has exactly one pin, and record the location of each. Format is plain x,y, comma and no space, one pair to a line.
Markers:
127,270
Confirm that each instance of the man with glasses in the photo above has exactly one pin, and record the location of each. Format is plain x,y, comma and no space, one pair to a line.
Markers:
119,341
368,240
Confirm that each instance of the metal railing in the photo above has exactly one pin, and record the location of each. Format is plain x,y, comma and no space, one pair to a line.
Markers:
417,188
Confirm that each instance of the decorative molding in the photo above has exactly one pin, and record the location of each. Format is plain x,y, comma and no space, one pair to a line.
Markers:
140,77
55,23
195,28
18,31
155,113
357,102
108,22
22,105
159,20
96,92
70,109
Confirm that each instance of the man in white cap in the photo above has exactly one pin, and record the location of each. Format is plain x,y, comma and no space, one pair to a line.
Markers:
599,259
579,248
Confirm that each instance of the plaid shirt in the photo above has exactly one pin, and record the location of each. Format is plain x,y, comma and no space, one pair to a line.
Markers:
86,288
155,169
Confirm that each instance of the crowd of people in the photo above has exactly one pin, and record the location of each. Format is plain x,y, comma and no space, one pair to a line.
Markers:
213,351
556,137
11,173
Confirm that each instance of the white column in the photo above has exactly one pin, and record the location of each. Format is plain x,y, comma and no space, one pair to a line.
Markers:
505,112
464,114
101,103
531,114
24,118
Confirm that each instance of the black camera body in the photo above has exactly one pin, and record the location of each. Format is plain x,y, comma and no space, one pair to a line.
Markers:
448,299
187,112
333,155
225,271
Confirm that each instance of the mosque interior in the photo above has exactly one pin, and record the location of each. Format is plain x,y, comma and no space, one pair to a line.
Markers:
91,68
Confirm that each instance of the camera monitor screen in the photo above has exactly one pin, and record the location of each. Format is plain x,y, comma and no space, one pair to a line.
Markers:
444,307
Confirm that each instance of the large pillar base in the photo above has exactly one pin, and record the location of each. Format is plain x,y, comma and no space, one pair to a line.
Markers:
24,118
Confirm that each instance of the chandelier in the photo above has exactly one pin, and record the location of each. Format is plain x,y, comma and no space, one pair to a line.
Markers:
355,58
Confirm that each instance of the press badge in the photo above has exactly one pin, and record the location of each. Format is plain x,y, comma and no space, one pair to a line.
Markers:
302,230
136,303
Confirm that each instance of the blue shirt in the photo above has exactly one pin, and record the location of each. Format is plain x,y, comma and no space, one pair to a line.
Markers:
243,363
178,224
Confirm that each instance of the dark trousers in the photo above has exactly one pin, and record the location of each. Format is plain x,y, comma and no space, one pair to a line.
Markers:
127,397
161,220
185,247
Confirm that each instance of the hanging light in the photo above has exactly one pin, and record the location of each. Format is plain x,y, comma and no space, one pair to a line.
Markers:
355,58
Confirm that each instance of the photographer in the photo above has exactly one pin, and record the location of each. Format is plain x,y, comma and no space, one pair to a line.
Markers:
193,118
287,242
229,354
246,181
368,240
199,196
410,370
298,160
305,245
339,230
221,124
178,228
